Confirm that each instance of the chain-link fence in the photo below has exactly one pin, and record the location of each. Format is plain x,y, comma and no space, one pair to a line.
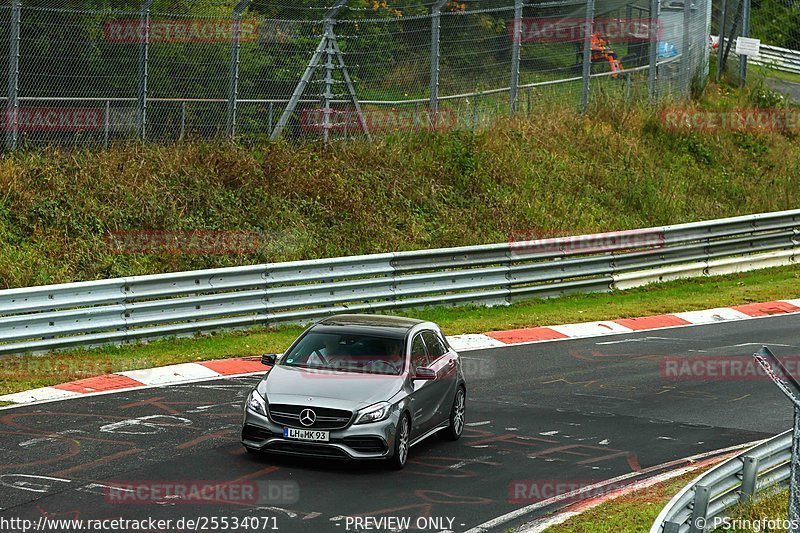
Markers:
167,70
775,23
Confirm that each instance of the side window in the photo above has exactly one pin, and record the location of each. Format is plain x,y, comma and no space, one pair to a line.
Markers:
436,348
419,356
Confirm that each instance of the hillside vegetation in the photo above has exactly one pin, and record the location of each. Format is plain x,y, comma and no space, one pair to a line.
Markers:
558,173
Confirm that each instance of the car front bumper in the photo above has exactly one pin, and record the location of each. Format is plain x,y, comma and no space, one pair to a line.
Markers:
363,441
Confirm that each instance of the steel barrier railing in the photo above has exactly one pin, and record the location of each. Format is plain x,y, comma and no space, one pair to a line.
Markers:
737,480
146,307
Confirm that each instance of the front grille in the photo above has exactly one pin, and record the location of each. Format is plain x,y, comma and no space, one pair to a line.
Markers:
289,415
365,444
251,432
315,450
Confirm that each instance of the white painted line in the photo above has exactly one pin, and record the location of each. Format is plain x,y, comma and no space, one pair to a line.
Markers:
591,329
171,374
709,316
39,395
795,303
473,341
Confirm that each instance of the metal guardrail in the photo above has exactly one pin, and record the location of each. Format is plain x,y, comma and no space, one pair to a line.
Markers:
737,480
778,58
146,307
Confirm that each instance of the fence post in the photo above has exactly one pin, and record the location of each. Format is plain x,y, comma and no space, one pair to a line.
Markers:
12,111
436,28
515,54
144,52
721,39
655,21
686,59
106,123
745,33
587,54
233,80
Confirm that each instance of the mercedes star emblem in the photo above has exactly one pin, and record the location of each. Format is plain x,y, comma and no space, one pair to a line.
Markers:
308,417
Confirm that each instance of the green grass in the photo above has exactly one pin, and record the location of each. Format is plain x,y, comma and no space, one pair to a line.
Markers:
553,172
25,372
637,512
774,506
632,513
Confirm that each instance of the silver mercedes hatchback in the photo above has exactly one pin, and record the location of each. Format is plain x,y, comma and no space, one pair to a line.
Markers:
358,387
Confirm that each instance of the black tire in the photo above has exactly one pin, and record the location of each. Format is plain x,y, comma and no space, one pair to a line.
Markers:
457,412
401,443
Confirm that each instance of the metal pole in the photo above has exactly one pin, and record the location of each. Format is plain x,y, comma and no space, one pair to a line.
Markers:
12,110
106,123
587,54
721,40
515,54
652,81
233,79
794,484
686,58
305,79
789,385
183,120
144,51
745,33
327,95
436,28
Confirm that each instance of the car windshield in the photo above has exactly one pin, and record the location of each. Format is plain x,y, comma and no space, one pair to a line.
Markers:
347,352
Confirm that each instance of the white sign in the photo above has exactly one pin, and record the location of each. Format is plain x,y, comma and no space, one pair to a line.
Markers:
748,47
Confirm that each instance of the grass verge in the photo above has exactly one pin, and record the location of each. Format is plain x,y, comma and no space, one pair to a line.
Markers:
25,372
632,513
636,512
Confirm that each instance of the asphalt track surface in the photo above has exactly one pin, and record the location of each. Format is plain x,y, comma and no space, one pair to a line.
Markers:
572,411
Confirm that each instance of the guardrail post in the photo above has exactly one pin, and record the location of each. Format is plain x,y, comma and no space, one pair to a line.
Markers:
700,507
12,111
652,75
587,54
233,80
749,479
144,55
436,29
515,54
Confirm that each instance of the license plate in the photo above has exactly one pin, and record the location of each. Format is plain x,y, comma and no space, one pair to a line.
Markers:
306,434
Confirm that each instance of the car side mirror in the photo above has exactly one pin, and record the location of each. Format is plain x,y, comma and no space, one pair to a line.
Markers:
425,374
269,359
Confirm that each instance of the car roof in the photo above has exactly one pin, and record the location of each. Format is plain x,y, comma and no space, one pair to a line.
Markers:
380,325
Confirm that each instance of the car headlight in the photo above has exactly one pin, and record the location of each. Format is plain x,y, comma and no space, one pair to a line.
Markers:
256,403
374,413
